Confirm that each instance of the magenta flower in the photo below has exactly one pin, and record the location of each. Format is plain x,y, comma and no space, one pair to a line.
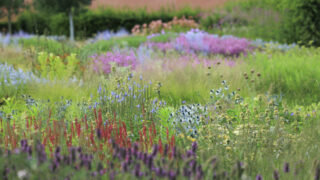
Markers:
103,63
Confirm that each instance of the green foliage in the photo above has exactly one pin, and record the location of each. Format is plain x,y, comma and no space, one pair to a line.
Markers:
11,7
164,37
302,21
33,22
295,74
60,5
284,21
52,67
104,46
90,22
48,45
164,116
249,19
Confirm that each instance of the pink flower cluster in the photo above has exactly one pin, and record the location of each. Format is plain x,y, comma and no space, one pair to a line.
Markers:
103,63
162,46
212,44
196,41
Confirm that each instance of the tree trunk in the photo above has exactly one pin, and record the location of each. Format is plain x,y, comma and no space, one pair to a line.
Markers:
9,22
71,26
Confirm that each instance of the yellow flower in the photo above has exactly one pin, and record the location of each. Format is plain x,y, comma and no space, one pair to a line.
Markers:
226,137
181,135
228,148
191,139
236,132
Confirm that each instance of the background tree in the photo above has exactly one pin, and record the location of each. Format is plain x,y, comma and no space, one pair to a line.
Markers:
10,7
64,6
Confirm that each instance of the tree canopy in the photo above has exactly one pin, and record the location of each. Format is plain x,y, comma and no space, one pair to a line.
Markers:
65,6
60,5
10,7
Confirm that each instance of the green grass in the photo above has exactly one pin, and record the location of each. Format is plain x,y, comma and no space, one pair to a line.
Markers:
295,74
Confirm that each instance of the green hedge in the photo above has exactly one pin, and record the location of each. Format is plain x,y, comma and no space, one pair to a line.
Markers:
286,21
90,22
302,21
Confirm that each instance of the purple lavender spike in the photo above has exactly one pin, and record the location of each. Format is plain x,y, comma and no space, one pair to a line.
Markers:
286,168
276,175
259,177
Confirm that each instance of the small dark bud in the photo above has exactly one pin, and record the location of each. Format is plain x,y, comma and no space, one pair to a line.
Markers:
286,167
276,175
259,177
99,133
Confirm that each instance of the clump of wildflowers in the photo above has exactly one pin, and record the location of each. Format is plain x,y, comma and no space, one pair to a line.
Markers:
104,63
200,41
187,118
16,77
224,94
106,35
159,26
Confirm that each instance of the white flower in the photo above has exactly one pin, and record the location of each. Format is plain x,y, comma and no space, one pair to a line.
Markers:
218,92
22,174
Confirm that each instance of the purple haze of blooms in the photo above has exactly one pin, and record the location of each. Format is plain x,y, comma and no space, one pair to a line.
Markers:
196,41
160,45
199,41
6,39
15,77
104,62
106,35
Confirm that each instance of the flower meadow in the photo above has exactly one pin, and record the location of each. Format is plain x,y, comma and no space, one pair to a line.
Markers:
165,102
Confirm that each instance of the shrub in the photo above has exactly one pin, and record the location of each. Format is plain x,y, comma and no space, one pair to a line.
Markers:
87,24
32,22
302,21
51,66
158,26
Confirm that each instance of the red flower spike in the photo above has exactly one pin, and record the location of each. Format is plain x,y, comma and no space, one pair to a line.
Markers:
99,119
85,118
160,147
